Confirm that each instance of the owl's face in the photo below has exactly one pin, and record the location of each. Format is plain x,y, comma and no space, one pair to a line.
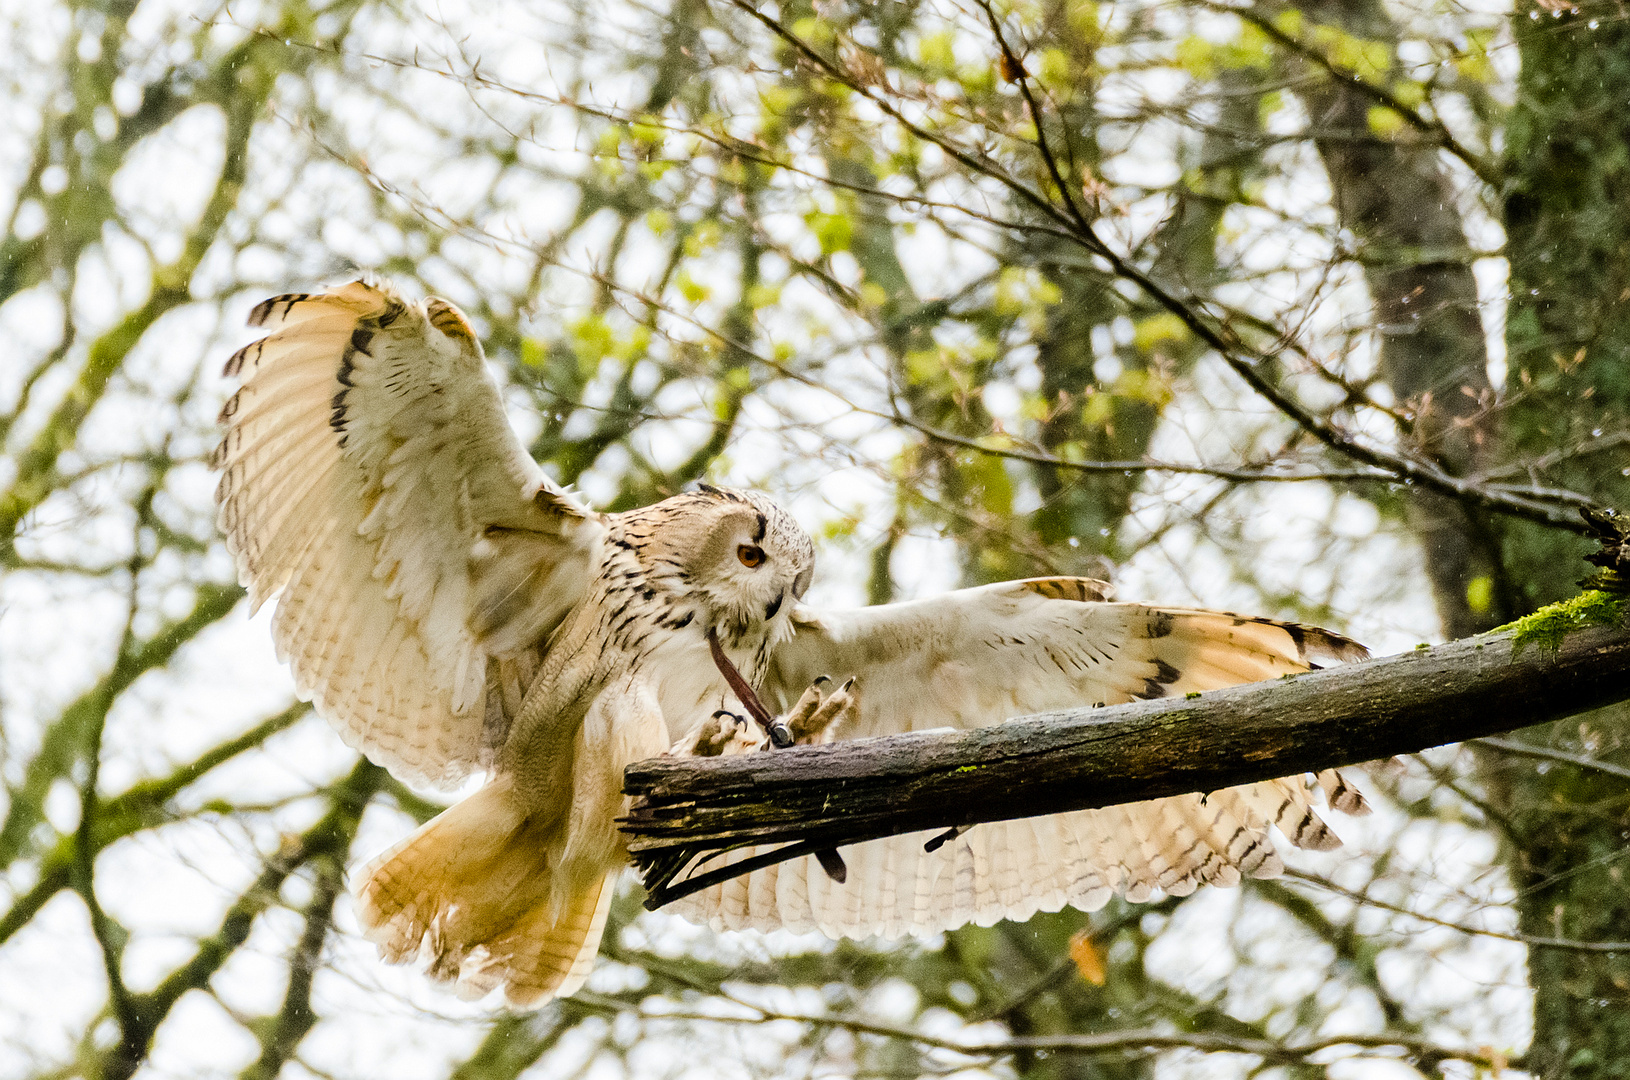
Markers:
744,559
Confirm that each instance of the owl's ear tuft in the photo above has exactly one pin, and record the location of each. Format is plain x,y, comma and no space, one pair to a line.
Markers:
729,526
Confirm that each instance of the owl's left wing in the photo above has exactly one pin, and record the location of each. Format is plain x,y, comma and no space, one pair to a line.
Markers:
980,656
370,475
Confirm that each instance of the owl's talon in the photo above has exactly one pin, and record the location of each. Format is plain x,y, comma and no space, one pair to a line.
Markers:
714,735
736,719
836,710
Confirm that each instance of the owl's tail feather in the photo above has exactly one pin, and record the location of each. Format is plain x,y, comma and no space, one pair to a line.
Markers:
471,892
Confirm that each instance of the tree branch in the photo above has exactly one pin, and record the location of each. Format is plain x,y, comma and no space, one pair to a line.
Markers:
814,797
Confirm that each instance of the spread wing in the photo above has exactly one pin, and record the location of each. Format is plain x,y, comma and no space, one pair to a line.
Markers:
980,656
369,473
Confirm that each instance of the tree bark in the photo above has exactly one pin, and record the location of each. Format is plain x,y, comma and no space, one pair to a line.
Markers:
849,791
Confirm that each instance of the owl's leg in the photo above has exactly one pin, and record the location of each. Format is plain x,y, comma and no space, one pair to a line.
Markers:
811,717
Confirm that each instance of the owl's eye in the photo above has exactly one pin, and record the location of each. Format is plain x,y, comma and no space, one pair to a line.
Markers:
750,555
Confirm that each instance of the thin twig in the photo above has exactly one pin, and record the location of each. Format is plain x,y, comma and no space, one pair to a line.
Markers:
1531,940
1557,755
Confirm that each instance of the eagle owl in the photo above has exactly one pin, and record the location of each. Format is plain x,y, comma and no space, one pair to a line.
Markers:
450,610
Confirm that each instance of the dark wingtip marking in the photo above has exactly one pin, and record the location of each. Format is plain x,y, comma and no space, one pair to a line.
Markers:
1080,590
1325,644
263,310
234,363
229,410
1312,834
449,320
1160,624
337,419
1312,641
1155,685
1348,799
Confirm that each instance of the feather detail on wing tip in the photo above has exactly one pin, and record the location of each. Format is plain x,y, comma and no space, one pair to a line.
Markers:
1078,589
360,296
1305,647
1342,795
1325,646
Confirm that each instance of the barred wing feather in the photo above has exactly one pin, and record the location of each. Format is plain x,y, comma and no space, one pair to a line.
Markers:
370,475
981,656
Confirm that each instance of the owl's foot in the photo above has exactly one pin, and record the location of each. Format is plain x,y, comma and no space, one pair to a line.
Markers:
724,734
811,717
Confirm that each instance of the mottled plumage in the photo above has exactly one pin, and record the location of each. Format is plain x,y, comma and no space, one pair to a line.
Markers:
449,609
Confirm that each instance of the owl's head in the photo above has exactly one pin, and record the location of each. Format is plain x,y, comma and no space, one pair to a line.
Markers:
743,558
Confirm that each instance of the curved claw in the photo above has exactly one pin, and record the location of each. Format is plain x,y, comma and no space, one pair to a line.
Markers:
713,735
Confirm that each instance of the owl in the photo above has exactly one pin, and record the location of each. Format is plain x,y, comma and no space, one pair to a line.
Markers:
451,611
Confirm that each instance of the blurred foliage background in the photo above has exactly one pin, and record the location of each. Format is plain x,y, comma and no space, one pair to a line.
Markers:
1314,308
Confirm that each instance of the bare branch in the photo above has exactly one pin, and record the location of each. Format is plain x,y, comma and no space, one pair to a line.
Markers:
331,835
1533,941
63,740
1544,754
1107,1042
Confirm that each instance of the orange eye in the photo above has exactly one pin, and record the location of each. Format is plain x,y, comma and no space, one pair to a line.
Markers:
750,556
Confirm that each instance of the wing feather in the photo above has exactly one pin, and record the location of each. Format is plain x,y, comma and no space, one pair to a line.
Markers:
366,458
981,656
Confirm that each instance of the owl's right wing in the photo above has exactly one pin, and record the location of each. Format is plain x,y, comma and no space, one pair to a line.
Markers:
981,656
369,473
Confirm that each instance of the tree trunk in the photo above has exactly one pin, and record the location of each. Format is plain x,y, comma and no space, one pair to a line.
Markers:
1397,200
1567,216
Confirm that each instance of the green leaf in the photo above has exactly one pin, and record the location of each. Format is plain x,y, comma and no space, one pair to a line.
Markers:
690,288
936,54
1195,55
1150,332
1385,122
834,231
1289,22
